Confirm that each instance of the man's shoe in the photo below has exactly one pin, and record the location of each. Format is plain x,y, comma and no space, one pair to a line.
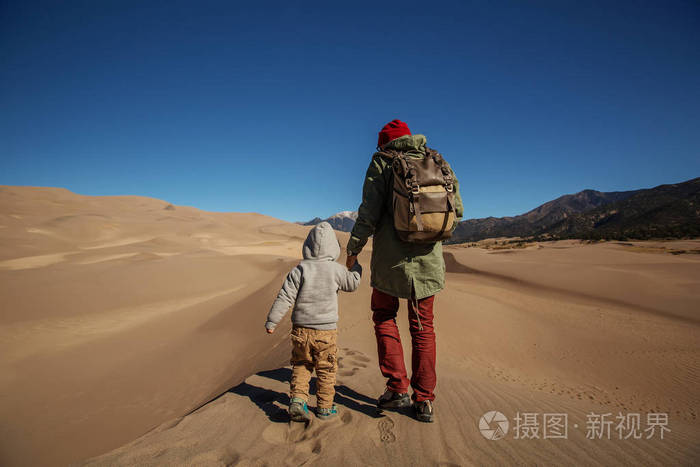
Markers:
327,412
393,400
424,411
299,411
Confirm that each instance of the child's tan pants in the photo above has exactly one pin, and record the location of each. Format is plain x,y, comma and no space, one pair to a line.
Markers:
314,349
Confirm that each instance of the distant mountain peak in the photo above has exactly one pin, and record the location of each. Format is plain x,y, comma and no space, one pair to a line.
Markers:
343,220
349,214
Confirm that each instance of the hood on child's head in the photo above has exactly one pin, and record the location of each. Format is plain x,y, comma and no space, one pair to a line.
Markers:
321,243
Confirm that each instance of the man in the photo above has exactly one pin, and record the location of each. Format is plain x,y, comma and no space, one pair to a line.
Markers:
414,271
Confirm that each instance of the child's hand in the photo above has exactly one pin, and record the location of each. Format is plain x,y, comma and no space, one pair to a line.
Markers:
269,331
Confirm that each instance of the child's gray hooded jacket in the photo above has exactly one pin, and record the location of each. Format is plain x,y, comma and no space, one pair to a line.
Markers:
312,287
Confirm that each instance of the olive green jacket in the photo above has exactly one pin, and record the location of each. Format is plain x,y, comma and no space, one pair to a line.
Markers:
397,267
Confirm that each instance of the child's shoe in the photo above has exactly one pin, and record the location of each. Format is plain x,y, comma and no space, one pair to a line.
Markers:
327,413
299,411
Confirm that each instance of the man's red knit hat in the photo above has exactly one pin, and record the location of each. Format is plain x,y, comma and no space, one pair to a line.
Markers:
392,130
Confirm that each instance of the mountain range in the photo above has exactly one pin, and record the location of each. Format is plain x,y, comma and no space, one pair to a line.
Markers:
536,220
664,211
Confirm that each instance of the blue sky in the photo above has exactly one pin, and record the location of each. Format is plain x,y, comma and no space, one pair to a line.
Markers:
275,107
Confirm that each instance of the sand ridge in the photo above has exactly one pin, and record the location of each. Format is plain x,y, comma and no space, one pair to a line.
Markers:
20,340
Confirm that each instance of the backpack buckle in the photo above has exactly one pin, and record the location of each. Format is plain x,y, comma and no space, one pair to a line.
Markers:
449,188
415,189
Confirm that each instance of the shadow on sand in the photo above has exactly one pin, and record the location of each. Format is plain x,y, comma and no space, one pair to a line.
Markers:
265,398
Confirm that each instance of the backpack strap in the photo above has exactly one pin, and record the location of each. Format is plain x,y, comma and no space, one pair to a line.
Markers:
444,167
411,181
403,168
389,153
448,181
415,203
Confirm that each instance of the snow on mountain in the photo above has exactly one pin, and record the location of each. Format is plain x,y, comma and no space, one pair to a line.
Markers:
343,221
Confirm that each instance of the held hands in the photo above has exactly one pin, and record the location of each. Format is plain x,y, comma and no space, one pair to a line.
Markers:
350,262
269,331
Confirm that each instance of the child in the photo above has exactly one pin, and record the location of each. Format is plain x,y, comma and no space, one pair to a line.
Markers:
312,288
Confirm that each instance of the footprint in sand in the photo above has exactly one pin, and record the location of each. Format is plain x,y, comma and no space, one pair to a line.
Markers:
354,359
386,433
216,457
357,363
361,358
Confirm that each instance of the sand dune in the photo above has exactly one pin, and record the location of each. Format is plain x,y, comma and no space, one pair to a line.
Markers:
23,339
131,333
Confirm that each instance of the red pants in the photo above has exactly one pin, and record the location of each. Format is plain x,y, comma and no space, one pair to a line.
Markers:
390,350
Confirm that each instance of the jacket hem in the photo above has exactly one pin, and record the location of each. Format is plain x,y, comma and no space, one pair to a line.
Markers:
318,327
393,293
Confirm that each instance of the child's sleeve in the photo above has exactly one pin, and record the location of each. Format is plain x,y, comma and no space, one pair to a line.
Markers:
349,281
285,298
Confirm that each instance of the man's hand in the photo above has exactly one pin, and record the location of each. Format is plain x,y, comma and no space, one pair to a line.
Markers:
269,331
350,262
